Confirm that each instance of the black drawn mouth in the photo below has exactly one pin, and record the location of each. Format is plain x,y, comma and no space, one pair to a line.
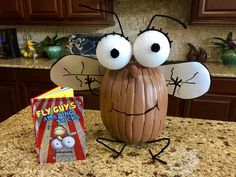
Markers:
135,114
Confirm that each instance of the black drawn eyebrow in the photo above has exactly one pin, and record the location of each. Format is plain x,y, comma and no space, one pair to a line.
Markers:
158,30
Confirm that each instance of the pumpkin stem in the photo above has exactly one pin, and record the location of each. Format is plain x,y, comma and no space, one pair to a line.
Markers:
134,71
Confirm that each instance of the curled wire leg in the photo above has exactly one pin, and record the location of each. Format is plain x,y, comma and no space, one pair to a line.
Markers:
155,157
118,153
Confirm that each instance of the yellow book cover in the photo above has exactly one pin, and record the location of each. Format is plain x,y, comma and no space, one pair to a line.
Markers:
57,92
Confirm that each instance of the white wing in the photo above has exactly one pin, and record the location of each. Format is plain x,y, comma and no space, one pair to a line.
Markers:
186,80
77,72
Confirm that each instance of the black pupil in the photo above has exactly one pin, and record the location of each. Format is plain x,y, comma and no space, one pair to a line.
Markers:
155,47
114,53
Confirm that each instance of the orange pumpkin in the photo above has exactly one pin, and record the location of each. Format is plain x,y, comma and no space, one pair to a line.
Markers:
134,105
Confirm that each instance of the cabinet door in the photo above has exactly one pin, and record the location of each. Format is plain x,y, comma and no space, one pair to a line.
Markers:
11,11
30,90
213,12
44,11
33,82
175,106
90,101
212,106
10,102
81,15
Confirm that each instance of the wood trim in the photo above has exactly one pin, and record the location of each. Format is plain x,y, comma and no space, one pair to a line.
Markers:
12,14
56,12
85,16
51,11
210,106
222,85
200,15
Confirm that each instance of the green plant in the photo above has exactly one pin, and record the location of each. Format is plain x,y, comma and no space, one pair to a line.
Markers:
228,48
42,47
225,44
52,41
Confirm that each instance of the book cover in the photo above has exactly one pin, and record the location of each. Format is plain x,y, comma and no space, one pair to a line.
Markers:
59,126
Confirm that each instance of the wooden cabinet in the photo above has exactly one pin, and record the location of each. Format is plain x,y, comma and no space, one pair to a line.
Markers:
30,90
12,12
9,95
44,11
10,102
219,103
213,12
175,106
212,106
17,86
32,82
76,13
55,12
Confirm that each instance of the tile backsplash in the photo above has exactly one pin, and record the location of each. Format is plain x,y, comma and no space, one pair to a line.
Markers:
135,16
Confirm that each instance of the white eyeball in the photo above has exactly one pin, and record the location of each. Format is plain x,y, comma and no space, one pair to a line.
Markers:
68,142
56,144
151,48
114,51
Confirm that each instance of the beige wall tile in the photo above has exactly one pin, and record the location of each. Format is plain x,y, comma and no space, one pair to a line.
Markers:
135,16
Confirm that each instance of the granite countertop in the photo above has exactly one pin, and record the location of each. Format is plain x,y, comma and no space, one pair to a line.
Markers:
216,69
39,63
220,70
198,148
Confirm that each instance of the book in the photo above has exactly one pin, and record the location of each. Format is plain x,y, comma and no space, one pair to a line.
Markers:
59,126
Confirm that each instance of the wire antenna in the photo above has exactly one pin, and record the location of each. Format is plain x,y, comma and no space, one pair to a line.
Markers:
110,12
166,16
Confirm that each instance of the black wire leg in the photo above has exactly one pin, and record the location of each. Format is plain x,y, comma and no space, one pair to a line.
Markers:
118,153
155,157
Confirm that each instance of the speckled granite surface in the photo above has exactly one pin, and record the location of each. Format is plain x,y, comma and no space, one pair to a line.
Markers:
220,70
216,69
39,63
198,148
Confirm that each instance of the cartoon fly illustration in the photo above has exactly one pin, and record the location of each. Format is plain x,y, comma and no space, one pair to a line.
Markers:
135,85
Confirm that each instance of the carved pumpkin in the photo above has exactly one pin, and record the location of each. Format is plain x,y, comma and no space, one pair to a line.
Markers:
134,106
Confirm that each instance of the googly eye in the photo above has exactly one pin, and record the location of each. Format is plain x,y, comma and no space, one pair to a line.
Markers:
56,144
68,142
114,51
151,48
